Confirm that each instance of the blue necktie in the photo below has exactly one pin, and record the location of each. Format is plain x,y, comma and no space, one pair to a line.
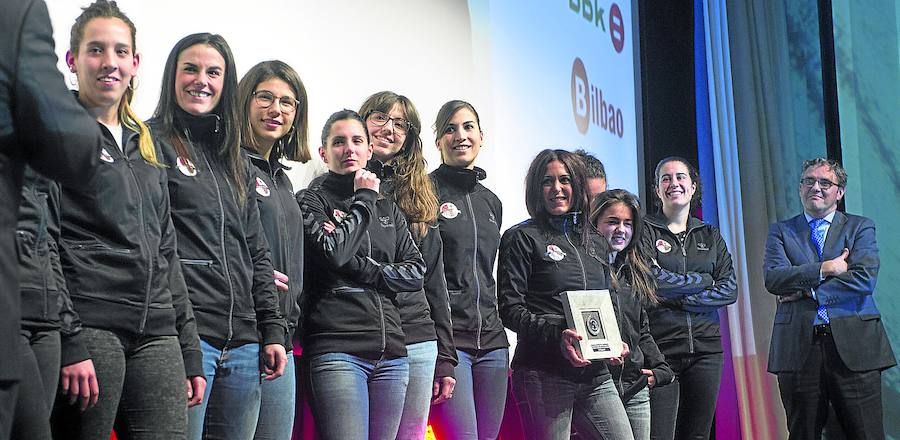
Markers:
817,235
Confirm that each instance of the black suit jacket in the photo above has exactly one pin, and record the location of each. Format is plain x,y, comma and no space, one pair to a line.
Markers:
40,125
792,264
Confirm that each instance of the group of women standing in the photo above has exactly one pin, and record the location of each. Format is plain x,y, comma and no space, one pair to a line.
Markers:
188,267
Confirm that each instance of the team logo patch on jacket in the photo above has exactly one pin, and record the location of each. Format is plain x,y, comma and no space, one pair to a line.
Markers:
555,253
702,246
338,215
261,188
449,210
385,221
186,166
663,246
105,156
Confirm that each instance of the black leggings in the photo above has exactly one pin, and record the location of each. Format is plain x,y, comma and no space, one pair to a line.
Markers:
142,390
685,409
37,389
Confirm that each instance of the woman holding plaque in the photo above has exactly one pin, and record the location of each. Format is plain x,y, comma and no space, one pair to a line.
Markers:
694,279
553,252
617,216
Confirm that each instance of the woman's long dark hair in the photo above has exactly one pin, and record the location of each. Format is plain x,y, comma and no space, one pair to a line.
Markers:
413,190
534,194
295,144
228,152
634,269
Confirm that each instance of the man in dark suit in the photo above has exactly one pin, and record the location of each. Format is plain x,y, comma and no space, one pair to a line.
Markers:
828,342
40,125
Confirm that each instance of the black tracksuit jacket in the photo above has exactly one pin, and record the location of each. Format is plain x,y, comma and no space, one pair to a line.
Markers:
41,281
425,314
536,266
469,222
694,279
118,253
354,273
221,244
279,214
634,327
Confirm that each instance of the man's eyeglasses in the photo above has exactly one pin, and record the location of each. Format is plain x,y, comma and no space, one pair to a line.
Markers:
265,99
381,119
825,184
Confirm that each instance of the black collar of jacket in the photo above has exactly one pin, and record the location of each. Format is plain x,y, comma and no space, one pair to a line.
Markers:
127,132
273,166
659,220
339,184
382,170
565,222
461,177
199,128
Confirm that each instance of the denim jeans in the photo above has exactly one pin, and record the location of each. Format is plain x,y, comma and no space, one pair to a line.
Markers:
230,405
354,397
276,409
479,399
549,405
142,390
422,357
638,410
685,408
37,389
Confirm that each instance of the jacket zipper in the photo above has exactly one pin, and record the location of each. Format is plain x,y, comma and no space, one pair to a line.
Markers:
687,314
378,299
41,232
283,235
224,253
144,236
577,255
475,272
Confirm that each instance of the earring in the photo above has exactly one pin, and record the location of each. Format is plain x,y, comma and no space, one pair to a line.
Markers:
73,79
134,83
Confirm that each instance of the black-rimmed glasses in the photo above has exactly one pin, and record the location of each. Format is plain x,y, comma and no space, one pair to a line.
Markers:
381,119
265,99
825,184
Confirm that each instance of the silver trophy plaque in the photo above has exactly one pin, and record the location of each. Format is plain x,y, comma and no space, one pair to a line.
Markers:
591,314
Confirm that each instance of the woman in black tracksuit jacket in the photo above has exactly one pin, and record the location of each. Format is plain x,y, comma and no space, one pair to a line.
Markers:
695,278
275,108
395,129
555,251
469,221
221,244
138,343
616,214
359,256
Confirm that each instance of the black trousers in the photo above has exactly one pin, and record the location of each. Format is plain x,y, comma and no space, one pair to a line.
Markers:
855,396
685,408
40,354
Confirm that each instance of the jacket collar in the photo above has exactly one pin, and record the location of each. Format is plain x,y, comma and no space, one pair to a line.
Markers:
565,222
272,166
659,220
461,177
199,128
340,184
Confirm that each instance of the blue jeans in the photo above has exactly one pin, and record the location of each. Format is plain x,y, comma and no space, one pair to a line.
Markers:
549,405
476,409
685,408
230,405
422,357
638,410
276,409
356,398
